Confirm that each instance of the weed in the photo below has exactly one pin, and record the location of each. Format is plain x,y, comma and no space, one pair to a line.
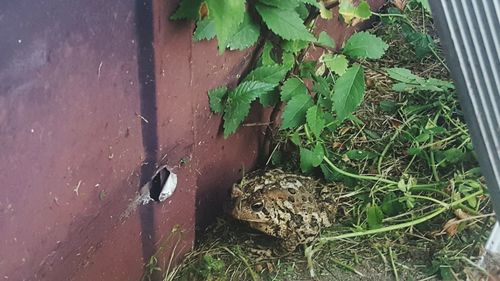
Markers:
383,119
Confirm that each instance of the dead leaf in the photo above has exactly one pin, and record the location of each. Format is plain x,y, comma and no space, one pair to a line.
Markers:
203,10
461,214
336,145
400,4
451,227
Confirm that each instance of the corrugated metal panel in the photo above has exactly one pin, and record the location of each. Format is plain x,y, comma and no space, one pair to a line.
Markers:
470,35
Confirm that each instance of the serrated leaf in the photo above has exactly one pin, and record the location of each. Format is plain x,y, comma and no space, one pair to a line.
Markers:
285,23
410,82
404,75
238,103
270,98
313,3
311,158
266,57
282,4
325,40
272,74
350,12
295,110
294,46
348,91
227,16
315,120
247,34
365,45
205,30
216,97
335,63
292,87
302,10
187,9
307,69
374,216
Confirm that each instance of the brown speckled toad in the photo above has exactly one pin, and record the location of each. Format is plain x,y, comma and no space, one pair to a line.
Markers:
287,206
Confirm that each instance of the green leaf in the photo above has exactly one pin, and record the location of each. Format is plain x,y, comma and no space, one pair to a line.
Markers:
295,138
313,3
302,10
453,155
215,97
188,9
227,16
315,120
322,88
350,12
294,46
292,87
238,103
324,13
325,40
282,4
295,110
266,57
335,63
271,74
365,45
411,82
425,5
404,75
388,106
348,91
374,216
285,23
390,204
270,98
307,69
356,154
311,158
205,30
421,42
247,34
415,151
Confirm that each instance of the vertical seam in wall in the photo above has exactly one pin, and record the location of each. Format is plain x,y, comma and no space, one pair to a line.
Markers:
147,91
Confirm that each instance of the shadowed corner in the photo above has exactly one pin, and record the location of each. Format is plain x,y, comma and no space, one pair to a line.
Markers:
147,92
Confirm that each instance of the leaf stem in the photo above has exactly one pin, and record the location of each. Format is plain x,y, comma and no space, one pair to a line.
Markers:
362,177
401,225
375,178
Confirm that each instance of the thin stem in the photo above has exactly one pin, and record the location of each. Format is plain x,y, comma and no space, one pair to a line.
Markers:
391,255
433,161
401,225
375,178
362,177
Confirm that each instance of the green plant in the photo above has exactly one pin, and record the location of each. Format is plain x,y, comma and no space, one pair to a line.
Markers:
280,74
394,136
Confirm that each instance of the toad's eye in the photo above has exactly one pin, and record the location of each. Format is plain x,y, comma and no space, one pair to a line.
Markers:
257,206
